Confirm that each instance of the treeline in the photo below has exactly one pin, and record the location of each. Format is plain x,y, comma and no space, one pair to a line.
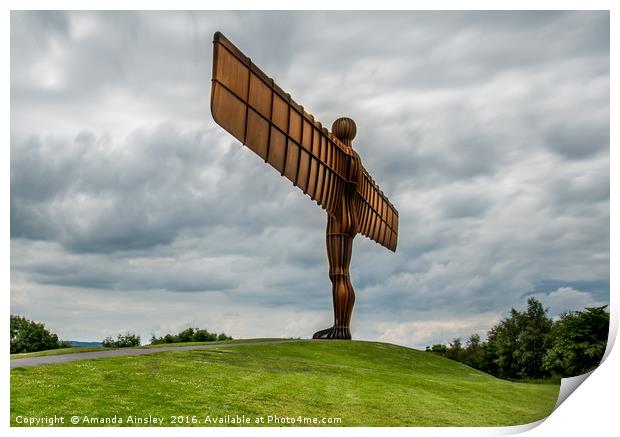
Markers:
122,340
185,336
29,336
189,335
531,345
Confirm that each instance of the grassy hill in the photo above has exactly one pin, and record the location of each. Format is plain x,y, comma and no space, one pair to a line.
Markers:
362,383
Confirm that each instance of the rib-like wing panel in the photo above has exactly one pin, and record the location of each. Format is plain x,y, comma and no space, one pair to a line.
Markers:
377,217
250,106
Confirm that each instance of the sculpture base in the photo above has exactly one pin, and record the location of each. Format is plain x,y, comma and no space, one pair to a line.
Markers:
333,333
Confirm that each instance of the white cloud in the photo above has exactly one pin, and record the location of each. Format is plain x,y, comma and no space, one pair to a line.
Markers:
437,330
568,299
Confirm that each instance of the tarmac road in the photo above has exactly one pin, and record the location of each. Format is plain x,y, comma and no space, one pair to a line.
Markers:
65,358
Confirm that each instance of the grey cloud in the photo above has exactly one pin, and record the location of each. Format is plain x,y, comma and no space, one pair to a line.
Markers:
489,132
93,195
579,142
461,205
47,263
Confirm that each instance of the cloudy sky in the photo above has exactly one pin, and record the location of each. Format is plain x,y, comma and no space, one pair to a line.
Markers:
131,210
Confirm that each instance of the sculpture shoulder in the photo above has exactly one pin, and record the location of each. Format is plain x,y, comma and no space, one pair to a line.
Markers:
356,166
355,156
357,161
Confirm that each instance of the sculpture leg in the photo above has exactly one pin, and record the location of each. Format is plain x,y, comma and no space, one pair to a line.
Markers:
339,248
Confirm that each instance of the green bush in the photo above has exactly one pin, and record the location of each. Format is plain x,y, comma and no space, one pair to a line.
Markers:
437,348
29,336
204,335
126,340
190,335
187,335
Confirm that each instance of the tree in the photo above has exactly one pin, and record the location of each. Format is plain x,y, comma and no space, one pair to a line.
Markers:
489,355
517,345
501,343
30,336
186,335
533,340
223,336
455,350
204,335
578,342
474,353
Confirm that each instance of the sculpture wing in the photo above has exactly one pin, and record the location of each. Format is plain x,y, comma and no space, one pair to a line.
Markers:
377,217
251,107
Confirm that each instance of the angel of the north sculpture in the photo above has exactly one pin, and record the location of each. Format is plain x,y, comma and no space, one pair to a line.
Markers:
253,109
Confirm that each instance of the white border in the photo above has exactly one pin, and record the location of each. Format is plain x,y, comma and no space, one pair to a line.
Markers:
591,409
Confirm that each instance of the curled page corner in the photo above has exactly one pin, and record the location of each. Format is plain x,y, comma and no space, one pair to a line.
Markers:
518,429
568,386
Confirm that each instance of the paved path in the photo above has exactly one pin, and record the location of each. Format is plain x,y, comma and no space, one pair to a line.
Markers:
65,358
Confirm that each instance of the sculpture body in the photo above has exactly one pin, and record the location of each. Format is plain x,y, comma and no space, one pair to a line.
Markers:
250,106
341,229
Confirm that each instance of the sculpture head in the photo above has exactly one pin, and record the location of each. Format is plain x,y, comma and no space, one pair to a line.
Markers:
344,129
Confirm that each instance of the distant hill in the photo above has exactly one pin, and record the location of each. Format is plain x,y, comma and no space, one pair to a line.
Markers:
85,343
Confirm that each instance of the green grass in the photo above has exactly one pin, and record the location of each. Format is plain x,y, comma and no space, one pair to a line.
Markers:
77,350
362,383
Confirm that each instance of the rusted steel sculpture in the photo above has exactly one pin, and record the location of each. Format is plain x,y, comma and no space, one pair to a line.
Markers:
251,107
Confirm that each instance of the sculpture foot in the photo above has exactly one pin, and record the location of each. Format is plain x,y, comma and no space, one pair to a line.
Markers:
335,332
